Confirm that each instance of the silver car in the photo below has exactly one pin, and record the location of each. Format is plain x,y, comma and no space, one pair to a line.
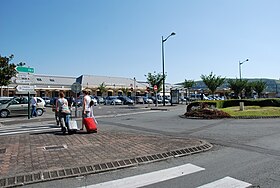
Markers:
19,106
112,100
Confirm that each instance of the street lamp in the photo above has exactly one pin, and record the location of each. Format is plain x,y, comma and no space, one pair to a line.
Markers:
163,74
240,63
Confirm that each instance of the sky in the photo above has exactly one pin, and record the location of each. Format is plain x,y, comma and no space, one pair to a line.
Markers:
123,38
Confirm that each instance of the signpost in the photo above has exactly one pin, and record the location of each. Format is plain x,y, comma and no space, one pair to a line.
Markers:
76,88
23,77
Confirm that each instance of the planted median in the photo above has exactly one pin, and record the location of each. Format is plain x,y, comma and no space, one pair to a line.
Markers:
231,109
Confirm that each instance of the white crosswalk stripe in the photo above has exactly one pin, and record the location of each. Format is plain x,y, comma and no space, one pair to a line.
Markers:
168,174
227,182
20,129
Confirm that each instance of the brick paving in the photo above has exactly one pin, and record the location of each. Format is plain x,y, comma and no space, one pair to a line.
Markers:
25,153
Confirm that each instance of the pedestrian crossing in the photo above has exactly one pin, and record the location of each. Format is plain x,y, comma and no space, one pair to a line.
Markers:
168,174
20,129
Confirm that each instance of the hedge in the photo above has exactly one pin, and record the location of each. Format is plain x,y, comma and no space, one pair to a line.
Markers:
236,102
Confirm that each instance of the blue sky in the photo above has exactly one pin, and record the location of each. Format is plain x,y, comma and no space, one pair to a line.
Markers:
123,37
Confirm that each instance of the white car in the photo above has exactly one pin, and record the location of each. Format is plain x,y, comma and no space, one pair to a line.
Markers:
113,100
19,106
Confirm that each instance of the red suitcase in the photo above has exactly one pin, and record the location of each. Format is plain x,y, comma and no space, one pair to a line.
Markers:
90,124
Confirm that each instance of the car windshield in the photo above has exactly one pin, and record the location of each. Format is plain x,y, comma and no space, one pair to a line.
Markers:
4,101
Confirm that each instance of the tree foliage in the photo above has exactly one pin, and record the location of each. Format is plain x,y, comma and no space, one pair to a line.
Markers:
249,89
259,87
188,83
212,81
155,79
102,88
7,70
237,86
125,90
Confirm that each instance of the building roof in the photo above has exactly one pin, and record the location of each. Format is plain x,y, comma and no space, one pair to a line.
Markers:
119,82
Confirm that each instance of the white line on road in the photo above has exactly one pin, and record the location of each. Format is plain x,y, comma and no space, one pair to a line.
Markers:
227,182
150,178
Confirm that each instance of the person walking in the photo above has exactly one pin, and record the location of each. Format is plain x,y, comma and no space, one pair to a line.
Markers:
33,102
86,106
63,112
55,111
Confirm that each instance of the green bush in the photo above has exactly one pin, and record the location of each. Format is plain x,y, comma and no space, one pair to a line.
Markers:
235,102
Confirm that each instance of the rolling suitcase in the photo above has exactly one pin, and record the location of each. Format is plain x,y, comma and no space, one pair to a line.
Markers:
90,124
72,125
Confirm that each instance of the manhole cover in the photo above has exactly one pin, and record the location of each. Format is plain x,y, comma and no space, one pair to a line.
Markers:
2,150
48,148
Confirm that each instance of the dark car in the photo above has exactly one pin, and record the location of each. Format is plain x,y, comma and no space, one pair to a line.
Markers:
126,100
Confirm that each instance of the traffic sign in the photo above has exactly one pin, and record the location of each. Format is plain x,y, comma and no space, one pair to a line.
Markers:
25,69
23,75
155,87
25,88
76,87
23,81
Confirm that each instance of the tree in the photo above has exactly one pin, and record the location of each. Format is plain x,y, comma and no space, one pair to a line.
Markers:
102,88
237,86
212,81
188,84
259,87
155,79
125,90
7,70
249,89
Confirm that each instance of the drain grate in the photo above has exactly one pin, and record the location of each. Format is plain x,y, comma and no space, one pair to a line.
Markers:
50,148
2,150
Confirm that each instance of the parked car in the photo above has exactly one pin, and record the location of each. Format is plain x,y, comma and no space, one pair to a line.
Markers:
19,106
47,100
100,100
138,99
126,100
112,100
94,100
147,100
156,100
4,100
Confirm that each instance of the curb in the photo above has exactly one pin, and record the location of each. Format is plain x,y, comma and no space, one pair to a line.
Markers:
42,176
233,117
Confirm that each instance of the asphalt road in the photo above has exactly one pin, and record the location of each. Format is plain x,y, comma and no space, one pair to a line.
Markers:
245,150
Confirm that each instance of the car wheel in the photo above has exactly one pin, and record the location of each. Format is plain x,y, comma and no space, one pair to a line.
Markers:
4,113
39,112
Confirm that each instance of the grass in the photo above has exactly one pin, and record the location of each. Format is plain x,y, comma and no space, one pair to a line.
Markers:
252,111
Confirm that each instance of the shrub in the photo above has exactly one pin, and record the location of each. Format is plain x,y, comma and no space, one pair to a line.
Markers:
207,113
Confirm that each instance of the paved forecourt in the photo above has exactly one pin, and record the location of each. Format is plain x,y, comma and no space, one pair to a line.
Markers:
41,156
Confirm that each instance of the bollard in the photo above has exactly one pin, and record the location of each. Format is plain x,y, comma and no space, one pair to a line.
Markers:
241,106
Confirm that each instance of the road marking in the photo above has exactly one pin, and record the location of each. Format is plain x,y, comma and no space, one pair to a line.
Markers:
227,182
10,130
150,178
125,114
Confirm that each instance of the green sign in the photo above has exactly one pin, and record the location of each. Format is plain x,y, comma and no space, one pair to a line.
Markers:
25,69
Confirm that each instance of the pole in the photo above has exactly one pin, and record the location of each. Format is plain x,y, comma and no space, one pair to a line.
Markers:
28,105
239,70
163,74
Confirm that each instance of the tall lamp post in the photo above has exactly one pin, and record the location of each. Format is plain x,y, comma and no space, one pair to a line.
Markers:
240,63
163,74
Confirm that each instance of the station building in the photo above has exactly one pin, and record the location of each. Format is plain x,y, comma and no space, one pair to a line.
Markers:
50,86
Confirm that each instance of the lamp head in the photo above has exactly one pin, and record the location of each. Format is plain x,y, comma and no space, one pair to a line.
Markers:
172,34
